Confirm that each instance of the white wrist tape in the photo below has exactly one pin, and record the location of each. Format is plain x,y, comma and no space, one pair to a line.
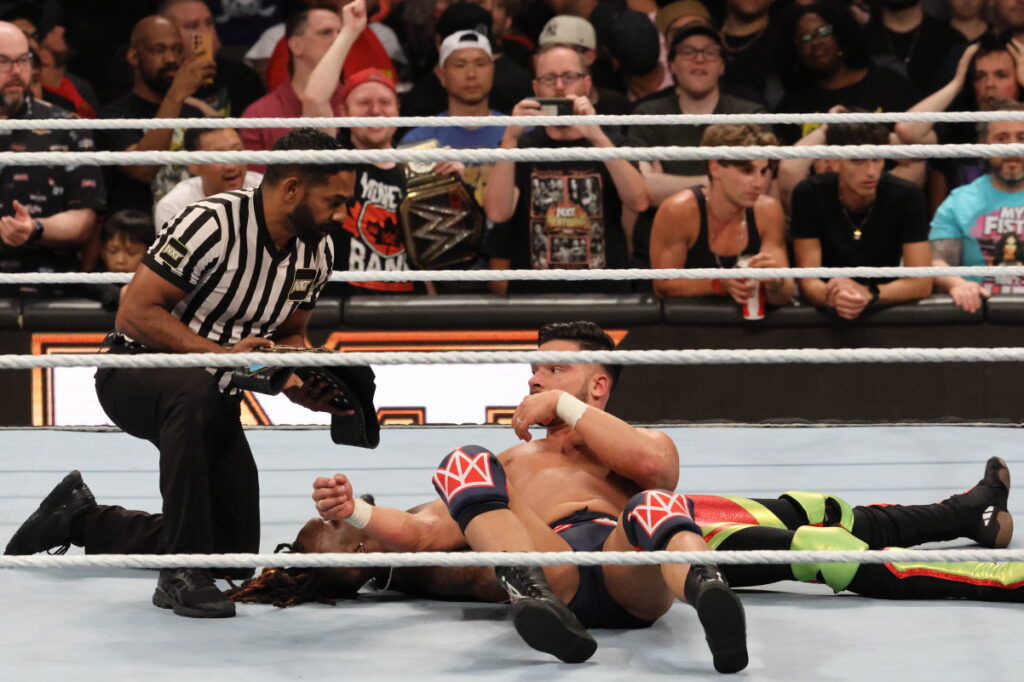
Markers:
361,514
569,409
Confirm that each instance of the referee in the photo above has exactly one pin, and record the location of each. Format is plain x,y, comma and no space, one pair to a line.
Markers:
232,273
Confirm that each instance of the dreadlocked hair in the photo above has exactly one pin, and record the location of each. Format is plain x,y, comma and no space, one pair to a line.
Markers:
284,587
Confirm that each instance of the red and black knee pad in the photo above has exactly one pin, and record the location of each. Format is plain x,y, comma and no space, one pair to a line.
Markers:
652,517
471,481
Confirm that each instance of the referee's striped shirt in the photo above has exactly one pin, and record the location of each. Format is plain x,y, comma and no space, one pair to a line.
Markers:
238,283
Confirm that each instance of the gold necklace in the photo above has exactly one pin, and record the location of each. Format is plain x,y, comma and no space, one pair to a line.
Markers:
857,226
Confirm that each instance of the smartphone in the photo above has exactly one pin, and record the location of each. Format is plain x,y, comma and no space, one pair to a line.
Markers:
203,42
554,106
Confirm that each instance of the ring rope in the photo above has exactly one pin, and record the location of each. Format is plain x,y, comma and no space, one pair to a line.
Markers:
536,154
569,275
782,356
452,559
501,121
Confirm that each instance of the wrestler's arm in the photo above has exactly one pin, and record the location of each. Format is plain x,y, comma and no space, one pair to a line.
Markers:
648,458
431,529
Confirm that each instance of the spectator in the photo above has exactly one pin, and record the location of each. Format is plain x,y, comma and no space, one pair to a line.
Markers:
825,62
749,37
859,215
163,85
990,70
908,41
968,18
210,178
566,214
976,224
630,39
1008,16
428,96
235,86
310,33
48,211
577,33
502,15
240,24
124,238
35,86
714,226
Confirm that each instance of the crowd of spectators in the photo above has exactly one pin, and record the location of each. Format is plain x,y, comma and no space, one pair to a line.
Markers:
301,58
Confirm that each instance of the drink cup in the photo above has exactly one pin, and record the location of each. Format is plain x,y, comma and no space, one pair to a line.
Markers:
753,309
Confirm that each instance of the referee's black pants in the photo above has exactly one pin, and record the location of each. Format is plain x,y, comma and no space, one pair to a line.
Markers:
208,477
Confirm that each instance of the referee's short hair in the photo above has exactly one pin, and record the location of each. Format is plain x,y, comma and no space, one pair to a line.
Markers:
310,173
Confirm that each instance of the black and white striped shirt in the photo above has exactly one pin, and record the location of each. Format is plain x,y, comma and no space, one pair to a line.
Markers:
238,283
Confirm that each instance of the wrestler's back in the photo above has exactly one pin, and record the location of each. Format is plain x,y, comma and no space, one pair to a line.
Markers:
556,481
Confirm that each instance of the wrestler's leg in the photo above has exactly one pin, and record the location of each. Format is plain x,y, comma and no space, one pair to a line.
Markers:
962,580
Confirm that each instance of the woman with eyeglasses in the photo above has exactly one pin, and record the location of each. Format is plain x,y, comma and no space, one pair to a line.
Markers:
824,61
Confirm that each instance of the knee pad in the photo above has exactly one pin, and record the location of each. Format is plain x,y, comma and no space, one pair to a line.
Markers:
652,517
471,481
836,576
822,509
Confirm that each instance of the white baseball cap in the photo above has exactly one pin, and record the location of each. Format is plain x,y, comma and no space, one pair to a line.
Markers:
568,30
462,40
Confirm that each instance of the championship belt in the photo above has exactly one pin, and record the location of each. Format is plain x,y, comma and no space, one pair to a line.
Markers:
355,388
441,222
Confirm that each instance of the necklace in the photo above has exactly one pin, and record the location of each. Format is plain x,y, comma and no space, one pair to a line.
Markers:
857,225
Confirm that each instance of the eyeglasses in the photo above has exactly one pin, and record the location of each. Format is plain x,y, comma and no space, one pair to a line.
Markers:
691,53
22,62
568,78
823,32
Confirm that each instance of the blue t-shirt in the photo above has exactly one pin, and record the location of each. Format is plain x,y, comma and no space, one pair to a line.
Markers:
990,224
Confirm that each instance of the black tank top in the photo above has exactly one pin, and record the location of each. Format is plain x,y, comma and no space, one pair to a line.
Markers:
700,255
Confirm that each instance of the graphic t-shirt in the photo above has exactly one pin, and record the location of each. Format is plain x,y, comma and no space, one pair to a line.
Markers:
371,236
990,225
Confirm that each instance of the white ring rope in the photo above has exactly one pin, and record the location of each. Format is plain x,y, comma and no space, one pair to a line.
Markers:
538,154
783,356
501,121
449,559
568,275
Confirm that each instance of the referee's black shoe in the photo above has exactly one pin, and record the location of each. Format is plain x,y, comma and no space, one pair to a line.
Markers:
49,526
721,615
541,619
191,592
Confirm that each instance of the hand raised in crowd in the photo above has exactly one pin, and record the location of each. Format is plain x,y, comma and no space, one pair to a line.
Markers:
313,395
17,229
962,66
353,17
967,295
1016,49
847,297
195,72
526,107
582,106
333,497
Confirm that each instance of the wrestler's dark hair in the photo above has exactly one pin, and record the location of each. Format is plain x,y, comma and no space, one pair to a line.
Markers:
588,335
284,587
132,225
856,133
309,173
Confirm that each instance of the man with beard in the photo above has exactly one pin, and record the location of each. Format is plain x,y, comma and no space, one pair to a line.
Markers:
970,223
236,272
904,38
163,84
48,211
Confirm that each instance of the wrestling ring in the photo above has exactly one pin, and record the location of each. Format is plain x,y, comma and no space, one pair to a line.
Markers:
90,617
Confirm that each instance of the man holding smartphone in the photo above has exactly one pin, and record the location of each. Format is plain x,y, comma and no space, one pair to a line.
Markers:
564,214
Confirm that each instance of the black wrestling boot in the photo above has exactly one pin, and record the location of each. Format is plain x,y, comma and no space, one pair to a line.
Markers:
49,526
541,619
721,615
191,592
994,527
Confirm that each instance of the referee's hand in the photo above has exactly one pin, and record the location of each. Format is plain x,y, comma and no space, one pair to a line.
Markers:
251,344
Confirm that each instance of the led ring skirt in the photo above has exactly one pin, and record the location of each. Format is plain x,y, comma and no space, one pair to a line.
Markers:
96,623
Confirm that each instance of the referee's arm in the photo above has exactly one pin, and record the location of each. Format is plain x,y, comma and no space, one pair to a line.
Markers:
292,332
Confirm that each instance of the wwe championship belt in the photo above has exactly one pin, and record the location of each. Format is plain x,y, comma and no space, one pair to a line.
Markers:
441,222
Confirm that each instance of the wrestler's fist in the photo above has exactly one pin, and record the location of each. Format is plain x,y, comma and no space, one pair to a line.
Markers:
333,497
536,408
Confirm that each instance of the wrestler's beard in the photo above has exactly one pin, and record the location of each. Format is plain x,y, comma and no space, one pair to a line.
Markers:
160,83
306,228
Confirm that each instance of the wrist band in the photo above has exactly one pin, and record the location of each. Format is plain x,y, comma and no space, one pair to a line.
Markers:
716,287
361,514
569,409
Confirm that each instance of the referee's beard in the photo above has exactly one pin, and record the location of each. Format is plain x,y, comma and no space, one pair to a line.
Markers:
305,226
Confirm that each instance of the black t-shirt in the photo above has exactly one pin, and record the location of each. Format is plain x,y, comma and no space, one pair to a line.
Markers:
880,90
512,83
750,60
914,54
234,88
569,216
123,191
898,216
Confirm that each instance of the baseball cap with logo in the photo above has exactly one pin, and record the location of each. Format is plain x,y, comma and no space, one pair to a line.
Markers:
370,75
568,30
461,40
